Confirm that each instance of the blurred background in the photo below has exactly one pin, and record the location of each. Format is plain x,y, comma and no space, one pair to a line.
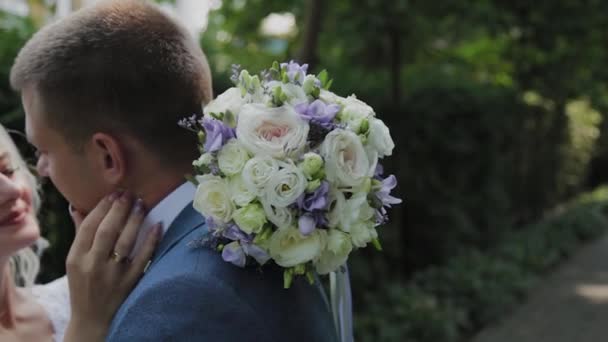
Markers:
497,109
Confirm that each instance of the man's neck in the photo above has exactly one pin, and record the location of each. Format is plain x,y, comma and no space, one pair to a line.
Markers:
153,189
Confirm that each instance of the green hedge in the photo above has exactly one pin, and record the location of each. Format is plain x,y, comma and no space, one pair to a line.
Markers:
452,301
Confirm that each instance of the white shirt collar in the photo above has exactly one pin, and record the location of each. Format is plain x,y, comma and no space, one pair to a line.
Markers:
166,211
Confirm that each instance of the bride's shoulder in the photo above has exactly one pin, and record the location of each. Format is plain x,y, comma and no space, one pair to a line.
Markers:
54,297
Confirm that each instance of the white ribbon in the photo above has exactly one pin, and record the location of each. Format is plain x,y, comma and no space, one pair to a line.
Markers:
341,303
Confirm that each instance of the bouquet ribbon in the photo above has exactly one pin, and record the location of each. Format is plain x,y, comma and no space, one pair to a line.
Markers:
341,303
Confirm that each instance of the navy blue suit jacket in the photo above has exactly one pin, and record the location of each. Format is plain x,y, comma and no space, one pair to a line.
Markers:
191,294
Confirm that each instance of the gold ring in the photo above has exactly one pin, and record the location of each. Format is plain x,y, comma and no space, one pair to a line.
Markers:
116,257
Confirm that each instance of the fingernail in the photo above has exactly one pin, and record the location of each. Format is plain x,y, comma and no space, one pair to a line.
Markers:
125,196
138,207
115,195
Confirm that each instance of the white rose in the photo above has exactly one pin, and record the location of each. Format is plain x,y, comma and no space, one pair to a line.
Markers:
277,132
354,112
280,216
230,100
288,247
232,158
336,252
380,138
239,191
346,162
362,233
257,172
295,94
285,186
212,198
354,210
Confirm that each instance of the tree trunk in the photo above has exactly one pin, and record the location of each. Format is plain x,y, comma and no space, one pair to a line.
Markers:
312,30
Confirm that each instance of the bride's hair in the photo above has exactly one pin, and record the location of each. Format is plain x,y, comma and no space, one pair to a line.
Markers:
26,263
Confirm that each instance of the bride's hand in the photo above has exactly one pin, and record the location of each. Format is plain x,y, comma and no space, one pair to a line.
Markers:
100,275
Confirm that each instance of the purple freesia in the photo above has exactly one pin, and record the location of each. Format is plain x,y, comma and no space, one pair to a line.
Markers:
318,112
256,252
379,171
318,200
216,134
242,246
384,194
295,71
234,253
234,233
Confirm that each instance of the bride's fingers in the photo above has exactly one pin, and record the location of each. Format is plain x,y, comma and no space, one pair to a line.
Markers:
77,216
89,225
127,238
144,255
110,227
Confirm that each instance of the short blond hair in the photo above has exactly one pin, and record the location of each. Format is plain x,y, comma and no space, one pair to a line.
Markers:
119,66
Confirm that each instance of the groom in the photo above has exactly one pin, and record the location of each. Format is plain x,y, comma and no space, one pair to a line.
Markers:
103,91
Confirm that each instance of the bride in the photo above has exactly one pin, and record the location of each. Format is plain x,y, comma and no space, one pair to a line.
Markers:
78,307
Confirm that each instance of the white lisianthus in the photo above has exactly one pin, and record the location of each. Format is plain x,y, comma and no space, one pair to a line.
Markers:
336,205
288,247
251,218
285,186
355,210
230,100
280,216
380,138
272,131
204,160
346,162
257,172
362,233
295,94
355,112
330,98
239,191
336,252
212,198
232,158
310,84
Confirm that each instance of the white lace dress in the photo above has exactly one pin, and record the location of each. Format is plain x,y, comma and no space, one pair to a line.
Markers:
55,299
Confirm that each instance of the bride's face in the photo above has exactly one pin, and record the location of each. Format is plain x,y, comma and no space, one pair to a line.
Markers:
18,225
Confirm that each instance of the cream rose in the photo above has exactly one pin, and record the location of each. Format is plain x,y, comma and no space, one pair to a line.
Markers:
346,161
285,186
212,198
232,158
278,132
336,252
288,247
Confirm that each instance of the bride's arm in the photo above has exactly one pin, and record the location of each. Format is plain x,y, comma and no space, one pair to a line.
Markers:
99,275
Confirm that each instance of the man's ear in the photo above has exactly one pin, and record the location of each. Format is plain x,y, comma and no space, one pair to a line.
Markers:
110,156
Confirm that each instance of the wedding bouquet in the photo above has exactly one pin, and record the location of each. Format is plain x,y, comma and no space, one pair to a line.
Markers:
289,171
